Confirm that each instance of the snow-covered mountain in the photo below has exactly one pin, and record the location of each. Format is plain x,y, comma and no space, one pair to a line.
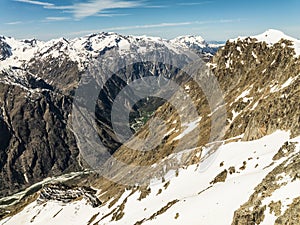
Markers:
189,41
17,52
197,43
250,176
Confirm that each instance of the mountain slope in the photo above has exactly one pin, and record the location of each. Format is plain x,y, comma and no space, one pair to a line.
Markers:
190,196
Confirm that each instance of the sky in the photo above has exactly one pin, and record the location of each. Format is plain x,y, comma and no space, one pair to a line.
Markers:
213,20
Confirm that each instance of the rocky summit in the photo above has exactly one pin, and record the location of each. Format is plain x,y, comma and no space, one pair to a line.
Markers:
219,147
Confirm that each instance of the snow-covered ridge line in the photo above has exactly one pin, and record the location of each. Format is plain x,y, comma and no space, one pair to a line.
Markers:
15,53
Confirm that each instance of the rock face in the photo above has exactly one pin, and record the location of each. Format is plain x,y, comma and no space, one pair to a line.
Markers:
5,50
35,140
262,83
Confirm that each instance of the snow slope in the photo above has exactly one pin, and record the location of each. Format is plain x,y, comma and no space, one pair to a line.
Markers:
192,198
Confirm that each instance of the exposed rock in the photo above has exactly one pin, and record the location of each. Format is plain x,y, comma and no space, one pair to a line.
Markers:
5,50
275,207
244,217
268,106
291,215
231,170
220,177
65,194
36,141
285,151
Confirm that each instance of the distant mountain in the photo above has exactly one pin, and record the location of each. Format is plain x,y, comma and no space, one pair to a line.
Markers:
234,163
190,41
15,52
198,44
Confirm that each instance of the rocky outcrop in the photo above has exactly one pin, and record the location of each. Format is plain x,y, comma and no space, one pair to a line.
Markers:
5,50
291,215
220,177
36,141
65,194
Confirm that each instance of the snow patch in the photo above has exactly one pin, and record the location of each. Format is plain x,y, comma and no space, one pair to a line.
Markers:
189,128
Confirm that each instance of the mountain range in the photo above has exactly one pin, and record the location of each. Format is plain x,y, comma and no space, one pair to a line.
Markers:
226,153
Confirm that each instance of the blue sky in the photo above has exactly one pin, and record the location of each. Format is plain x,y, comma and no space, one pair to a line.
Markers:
214,20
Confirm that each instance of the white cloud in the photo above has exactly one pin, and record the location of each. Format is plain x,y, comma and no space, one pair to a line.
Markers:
82,10
94,7
14,23
62,7
156,6
160,25
194,3
147,26
35,2
58,18
112,14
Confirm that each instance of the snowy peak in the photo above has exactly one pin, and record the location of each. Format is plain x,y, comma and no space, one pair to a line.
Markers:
273,36
20,44
15,52
197,44
96,42
189,41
